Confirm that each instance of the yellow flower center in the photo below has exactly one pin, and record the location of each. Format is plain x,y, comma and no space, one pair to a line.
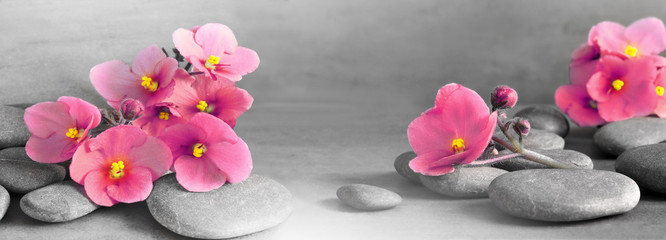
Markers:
164,115
74,133
212,61
458,145
631,51
659,90
117,170
198,150
617,84
149,84
204,107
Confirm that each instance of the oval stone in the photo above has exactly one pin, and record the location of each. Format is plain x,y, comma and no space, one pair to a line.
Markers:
646,165
13,131
4,201
575,158
617,137
22,176
401,165
536,139
58,202
546,118
232,210
563,195
463,182
367,197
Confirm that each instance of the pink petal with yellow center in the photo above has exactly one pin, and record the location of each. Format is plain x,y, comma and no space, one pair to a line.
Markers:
134,186
648,35
96,182
114,81
146,60
241,62
47,118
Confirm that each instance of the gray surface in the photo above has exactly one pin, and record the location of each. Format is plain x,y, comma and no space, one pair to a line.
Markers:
339,82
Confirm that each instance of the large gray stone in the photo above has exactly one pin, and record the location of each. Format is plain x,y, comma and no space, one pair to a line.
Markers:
646,165
232,210
464,182
401,165
22,176
574,158
367,197
563,195
546,118
536,139
617,137
4,201
58,202
13,131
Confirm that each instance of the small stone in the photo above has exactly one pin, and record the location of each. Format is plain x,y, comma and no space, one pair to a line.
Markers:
537,139
4,201
575,158
15,153
546,118
617,137
464,182
367,197
232,210
401,165
58,202
646,165
22,176
13,131
564,195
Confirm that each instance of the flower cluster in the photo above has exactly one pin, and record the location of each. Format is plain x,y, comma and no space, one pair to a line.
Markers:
617,74
165,117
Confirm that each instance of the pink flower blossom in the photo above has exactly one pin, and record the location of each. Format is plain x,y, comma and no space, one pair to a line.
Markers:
503,97
644,37
624,88
218,98
120,165
660,85
574,101
456,131
58,128
158,117
207,153
213,49
583,64
150,80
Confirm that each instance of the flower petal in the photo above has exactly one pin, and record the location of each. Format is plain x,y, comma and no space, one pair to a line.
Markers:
86,160
427,133
146,60
480,139
86,115
134,186
241,62
183,39
154,155
575,102
114,81
216,130
198,174
234,160
231,102
181,137
425,163
46,118
649,34
54,149
609,36
95,185
215,39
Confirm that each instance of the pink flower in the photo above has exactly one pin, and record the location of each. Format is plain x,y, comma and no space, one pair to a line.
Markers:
660,85
158,117
574,101
218,98
150,80
644,37
120,165
624,88
131,108
58,128
207,153
503,97
213,49
456,131
583,64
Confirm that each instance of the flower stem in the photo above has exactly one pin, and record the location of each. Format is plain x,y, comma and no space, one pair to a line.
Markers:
505,144
543,159
494,160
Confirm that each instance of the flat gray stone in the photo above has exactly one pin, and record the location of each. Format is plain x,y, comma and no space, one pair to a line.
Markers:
617,137
646,165
58,202
536,139
401,165
367,197
16,153
547,118
22,176
232,210
564,195
464,182
13,131
4,201
575,158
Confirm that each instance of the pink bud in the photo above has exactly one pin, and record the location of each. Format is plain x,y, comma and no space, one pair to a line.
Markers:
131,109
503,97
522,127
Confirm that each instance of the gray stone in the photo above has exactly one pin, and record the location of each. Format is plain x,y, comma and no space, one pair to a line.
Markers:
575,158
58,202
617,137
22,176
4,201
464,182
232,210
13,131
367,197
536,139
564,195
546,118
401,165
646,165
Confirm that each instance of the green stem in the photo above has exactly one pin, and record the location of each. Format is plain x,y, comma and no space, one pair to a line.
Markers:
543,159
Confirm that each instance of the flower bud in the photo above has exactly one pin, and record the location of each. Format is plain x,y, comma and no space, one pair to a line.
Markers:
131,109
522,127
503,97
